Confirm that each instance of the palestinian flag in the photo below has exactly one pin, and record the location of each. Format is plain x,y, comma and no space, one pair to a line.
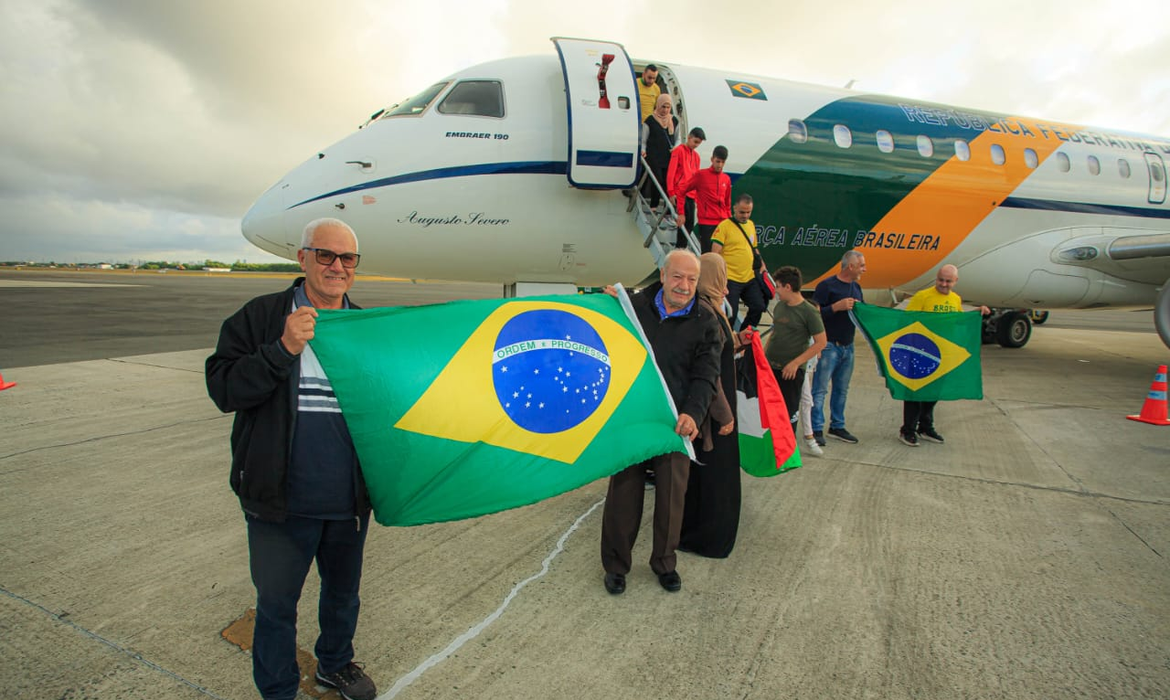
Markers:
767,446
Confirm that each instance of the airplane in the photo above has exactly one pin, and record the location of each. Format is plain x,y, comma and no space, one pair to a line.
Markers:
522,171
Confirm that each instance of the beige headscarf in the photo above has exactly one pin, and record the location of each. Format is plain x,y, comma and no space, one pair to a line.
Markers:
713,280
668,122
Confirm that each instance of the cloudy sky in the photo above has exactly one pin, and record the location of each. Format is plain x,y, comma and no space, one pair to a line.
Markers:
143,129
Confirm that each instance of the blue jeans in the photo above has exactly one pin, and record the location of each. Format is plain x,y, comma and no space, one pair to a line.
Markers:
835,365
280,555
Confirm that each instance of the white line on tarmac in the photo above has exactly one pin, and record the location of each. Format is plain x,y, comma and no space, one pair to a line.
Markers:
483,624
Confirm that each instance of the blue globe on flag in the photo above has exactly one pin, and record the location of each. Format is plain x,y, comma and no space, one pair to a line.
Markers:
915,356
550,370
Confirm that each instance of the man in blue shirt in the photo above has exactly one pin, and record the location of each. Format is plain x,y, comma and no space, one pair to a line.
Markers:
835,296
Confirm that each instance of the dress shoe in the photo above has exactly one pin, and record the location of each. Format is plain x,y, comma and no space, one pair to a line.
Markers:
615,583
671,581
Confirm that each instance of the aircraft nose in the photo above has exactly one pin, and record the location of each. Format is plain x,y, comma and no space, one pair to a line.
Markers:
264,224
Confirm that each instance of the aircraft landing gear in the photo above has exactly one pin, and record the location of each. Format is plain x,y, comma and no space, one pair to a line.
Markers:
1011,328
1038,317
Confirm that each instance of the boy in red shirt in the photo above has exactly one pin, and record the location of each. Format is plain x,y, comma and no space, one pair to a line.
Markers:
712,188
684,163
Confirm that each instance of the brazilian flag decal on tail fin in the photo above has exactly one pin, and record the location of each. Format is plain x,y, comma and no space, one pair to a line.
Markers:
468,408
925,356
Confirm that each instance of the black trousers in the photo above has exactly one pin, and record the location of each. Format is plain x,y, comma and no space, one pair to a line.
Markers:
752,296
917,415
649,191
689,214
704,232
790,390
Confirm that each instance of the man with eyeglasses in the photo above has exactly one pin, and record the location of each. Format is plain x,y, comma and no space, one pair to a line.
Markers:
294,468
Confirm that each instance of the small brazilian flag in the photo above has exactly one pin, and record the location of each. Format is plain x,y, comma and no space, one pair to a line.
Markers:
925,356
742,88
472,407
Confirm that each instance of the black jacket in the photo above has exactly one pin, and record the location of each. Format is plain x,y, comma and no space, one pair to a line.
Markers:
251,374
686,349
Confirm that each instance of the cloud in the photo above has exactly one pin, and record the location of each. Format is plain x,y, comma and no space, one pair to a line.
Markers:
186,111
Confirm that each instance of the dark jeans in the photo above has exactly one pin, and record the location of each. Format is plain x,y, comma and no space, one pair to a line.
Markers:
752,296
917,415
280,555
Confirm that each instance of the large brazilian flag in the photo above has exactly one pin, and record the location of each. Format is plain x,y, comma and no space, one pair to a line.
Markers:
473,407
925,356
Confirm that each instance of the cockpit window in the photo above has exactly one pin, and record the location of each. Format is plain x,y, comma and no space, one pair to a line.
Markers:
417,104
481,98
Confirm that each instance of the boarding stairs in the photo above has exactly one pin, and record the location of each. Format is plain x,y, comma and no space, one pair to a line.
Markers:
658,231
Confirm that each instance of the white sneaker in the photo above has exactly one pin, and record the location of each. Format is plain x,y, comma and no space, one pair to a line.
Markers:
812,448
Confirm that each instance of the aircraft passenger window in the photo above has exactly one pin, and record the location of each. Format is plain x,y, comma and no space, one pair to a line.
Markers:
480,98
885,141
997,155
417,104
1063,162
797,131
1123,168
925,146
842,136
962,150
1031,159
1094,166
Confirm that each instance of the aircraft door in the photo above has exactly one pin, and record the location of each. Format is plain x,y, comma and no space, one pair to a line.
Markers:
1157,178
602,98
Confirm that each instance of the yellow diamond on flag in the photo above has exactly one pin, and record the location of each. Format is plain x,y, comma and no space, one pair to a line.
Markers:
537,377
917,356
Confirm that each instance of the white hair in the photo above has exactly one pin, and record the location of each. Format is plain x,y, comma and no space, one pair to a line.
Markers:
849,257
312,226
677,252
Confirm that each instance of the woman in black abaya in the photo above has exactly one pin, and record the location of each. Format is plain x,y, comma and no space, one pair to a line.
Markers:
711,515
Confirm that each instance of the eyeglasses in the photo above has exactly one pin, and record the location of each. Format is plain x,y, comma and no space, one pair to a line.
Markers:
326,257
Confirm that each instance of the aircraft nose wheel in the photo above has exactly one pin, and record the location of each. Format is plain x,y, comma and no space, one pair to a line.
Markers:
1013,330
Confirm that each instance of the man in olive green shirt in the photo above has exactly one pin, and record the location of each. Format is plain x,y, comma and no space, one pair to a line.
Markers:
794,322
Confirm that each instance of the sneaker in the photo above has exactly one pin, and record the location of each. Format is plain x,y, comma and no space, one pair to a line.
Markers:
931,434
812,448
908,438
351,682
843,435
819,437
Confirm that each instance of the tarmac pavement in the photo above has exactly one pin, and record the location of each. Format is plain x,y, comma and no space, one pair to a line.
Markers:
1025,558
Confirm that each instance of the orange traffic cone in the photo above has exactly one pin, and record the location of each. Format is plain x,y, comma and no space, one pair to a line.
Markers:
5,385
1155,408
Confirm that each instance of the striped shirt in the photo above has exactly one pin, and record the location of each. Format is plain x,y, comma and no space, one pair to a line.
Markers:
323,463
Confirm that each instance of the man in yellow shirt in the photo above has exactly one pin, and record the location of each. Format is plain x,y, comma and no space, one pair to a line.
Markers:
648,90
918,416
735,240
